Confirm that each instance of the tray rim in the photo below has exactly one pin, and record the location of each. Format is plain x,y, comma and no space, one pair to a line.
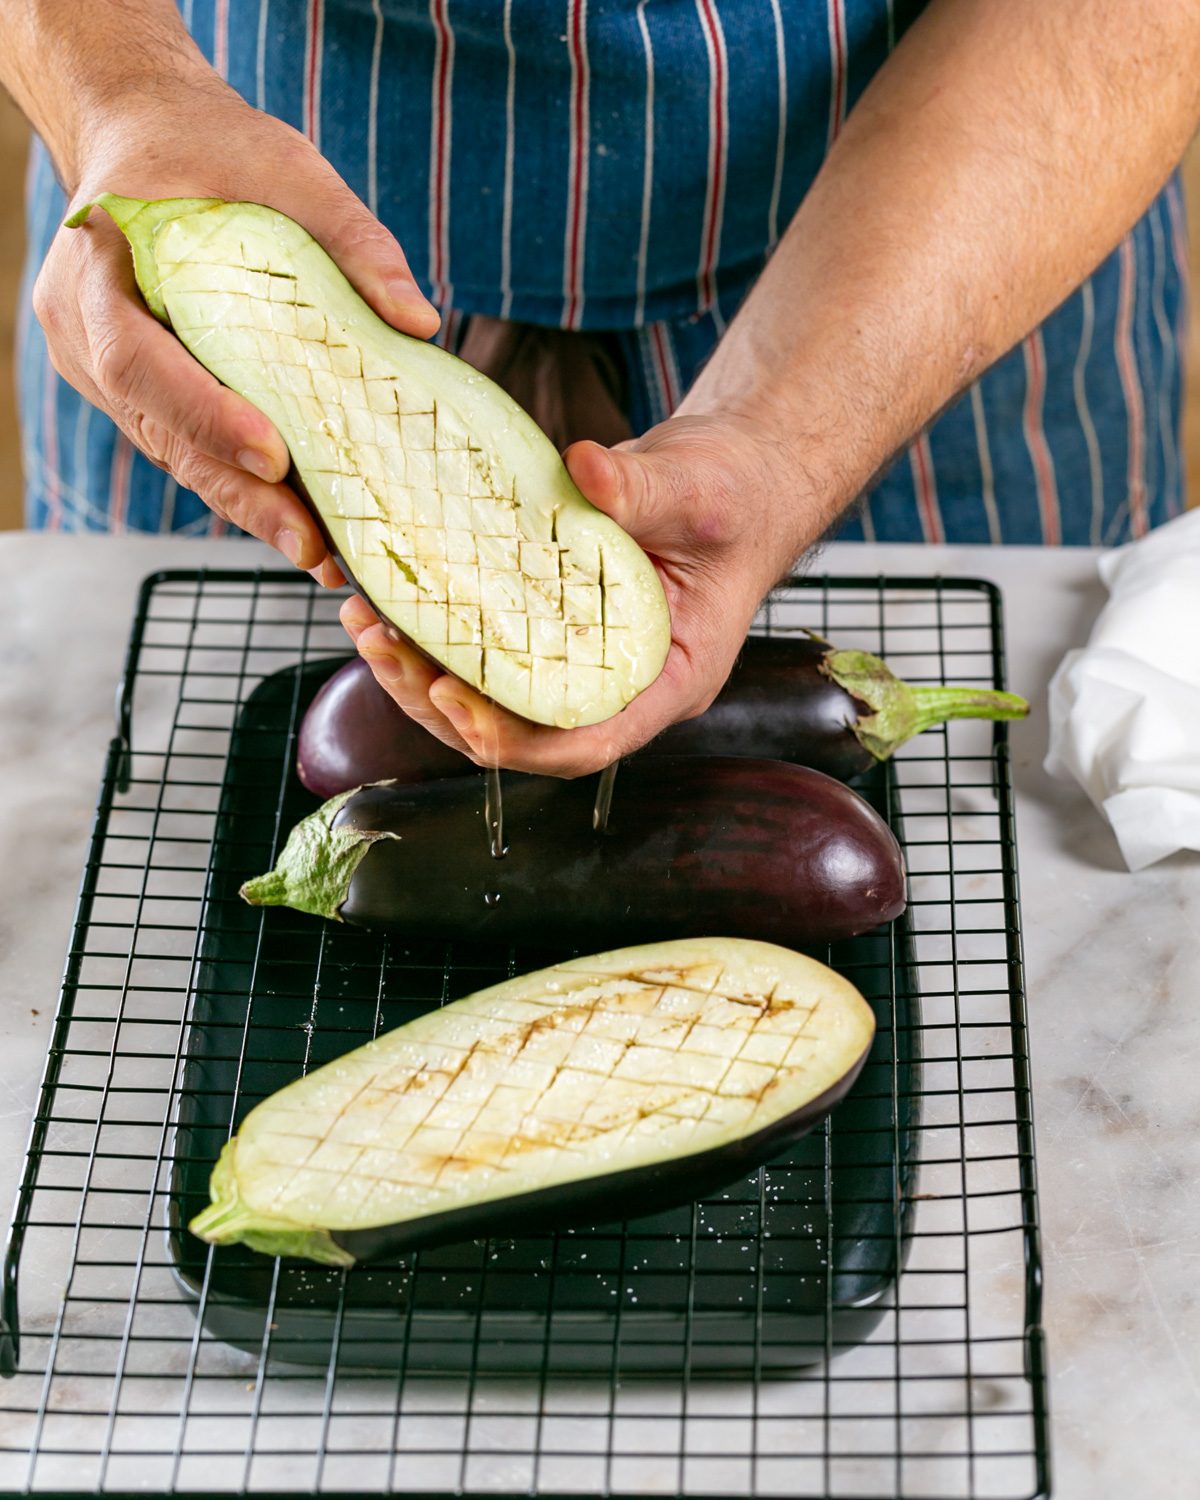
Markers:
115,778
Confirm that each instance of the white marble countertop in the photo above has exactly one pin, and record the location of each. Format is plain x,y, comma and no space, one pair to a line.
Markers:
1113,964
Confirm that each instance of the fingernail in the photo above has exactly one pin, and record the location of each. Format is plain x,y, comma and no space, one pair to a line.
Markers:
600,470
291,544
605,469
456,711
260,464
406,297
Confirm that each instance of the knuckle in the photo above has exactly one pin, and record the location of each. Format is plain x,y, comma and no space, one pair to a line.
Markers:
47,304
204,426
189,471
206,481
358,230
294,148
116,360
223,492
152,438
709,508
155,459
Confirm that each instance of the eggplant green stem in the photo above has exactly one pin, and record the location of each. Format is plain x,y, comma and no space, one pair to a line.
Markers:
937,704
900,711
140,222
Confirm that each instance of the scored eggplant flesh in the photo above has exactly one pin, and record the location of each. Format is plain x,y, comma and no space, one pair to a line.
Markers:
449,508
605,1086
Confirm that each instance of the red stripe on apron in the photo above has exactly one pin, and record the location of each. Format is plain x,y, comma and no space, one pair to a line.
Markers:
438,187
1132,391
1178,237
447,335
666,373
926,486
49,447
714,39
837,60
221,38
122,466
314,42
1180,253
1035,440
577,186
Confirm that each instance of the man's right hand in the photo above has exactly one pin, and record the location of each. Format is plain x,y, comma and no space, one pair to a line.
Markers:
201,140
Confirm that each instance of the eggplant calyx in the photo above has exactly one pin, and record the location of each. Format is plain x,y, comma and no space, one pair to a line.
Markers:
899,711
228,1221
318,862
139,221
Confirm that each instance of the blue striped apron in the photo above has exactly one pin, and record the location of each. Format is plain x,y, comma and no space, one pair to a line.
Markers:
627,165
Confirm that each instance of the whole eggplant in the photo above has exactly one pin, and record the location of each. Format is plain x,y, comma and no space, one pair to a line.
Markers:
355,733
696,846
797,699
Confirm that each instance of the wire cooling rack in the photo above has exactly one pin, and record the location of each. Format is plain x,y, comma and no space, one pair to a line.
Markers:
762,1366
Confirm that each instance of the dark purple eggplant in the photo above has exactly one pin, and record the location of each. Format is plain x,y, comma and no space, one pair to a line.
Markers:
695,846
355,733
796,699
604,1087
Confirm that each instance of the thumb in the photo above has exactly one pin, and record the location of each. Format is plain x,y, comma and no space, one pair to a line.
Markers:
368,255
645,493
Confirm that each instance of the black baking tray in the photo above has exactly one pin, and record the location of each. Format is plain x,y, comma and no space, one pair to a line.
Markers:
783,1268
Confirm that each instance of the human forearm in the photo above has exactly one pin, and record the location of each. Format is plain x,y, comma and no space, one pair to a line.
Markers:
1000,154
73,66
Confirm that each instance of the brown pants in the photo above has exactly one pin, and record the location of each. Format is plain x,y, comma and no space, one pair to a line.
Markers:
573,385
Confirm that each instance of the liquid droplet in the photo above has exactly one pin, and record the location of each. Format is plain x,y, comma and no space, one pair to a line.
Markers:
491,898
493,813
604,795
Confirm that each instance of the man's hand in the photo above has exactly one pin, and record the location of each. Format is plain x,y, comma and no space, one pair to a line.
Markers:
1000,153
179,131
702,494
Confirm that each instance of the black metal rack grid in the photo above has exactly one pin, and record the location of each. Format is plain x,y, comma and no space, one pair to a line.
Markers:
119,1387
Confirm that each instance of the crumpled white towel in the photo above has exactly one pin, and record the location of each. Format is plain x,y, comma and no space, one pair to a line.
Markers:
1125,710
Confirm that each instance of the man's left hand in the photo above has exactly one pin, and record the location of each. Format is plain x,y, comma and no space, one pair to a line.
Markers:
702,495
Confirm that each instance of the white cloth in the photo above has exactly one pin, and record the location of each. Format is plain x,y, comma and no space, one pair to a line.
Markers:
1125,710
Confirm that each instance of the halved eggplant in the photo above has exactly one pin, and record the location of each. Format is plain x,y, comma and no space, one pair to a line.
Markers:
797,699
448,507
598,1089
694,845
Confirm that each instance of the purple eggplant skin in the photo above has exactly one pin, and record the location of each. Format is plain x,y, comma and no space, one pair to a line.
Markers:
354,733
787,698
695,845
648,1189
781,704
777,705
